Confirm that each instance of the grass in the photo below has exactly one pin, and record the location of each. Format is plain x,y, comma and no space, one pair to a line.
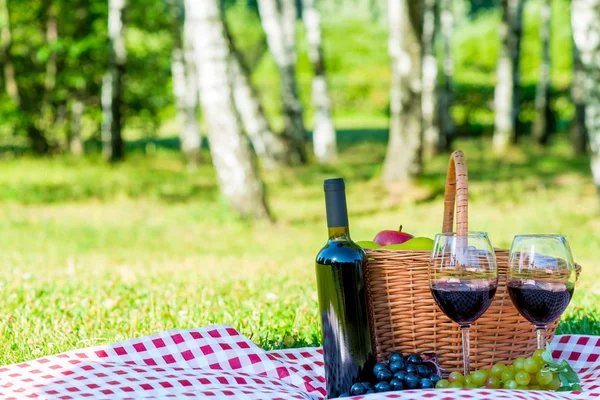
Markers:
92,254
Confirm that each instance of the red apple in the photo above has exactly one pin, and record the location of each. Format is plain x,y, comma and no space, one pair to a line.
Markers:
384,238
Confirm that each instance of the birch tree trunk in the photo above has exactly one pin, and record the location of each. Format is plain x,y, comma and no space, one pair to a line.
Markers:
279,25
403,159
579,135
431,131
446,97
74,131
185,89
324,136
38,141
585,21
46,112
274,150
506,98
232,155
112,84
542,124
10,81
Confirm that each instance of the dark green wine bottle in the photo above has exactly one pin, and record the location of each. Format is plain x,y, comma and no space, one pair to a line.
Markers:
340,267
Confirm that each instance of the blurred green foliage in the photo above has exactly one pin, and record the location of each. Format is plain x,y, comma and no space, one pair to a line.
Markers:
355,47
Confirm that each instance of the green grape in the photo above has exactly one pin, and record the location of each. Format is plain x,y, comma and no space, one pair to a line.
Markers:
511,384
534,387
522,378
456,377
537,355
492,383
456,385
519,364
478,378
472,386
507,375
520,387
555,383
497,370
531,366
533,381
468,379
486,371
543,377
511,368
442,383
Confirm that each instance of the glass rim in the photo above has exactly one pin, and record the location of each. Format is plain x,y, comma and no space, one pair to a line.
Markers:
469,233
533,235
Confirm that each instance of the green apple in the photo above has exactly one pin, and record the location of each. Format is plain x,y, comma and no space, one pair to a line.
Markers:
417,243
367,244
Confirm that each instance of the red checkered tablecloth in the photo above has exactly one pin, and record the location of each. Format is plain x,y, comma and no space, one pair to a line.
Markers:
218,362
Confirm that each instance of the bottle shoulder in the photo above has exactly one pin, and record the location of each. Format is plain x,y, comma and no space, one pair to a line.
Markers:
342,250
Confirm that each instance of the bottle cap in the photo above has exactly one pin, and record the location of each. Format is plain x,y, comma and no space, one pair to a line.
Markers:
334,184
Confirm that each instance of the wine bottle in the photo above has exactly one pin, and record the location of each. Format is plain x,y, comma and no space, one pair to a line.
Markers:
340,267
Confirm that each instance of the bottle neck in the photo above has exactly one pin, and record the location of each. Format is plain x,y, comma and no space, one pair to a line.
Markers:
338,232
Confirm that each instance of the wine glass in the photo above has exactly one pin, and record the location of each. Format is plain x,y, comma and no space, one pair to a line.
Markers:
541,279
463,278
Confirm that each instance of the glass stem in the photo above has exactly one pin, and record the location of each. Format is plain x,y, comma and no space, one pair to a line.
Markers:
541,331
466,348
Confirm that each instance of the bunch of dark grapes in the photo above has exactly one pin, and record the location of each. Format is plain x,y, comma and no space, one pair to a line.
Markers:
399,373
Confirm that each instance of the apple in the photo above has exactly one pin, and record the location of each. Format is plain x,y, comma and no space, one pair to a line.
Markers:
385,238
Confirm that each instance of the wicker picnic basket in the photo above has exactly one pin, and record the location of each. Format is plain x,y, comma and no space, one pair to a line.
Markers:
405,318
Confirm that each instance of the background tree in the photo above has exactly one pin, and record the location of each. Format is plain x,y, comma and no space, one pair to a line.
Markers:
579,135
431,131
185,88
273,150
10,81
543,124
324,136
585,18
446,96
112,84
231,153
278,19
403,159
506,96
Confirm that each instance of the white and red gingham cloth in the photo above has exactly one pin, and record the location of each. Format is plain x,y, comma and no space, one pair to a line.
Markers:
218,362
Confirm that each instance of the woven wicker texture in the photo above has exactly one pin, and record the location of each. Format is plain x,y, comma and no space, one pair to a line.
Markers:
405,317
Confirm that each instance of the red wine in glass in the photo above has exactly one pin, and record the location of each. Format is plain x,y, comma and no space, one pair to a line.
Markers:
540,303
463,302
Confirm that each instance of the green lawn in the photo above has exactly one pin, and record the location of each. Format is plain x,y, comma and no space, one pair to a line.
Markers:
93,254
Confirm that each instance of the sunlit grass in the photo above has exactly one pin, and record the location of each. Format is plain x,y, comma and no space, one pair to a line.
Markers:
94,254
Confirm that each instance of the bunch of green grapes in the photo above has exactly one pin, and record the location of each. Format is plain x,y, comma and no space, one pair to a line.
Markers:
525,373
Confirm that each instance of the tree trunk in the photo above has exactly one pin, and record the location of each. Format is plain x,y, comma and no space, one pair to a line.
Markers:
585,21
112,84
46,112
579,135
185,88
10,81
431,131
274,150
279,26
517,34
403,158
446,97
232,155
542,125
506,97
74,130
324,136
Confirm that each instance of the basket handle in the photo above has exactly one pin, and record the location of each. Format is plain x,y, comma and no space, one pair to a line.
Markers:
457,190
